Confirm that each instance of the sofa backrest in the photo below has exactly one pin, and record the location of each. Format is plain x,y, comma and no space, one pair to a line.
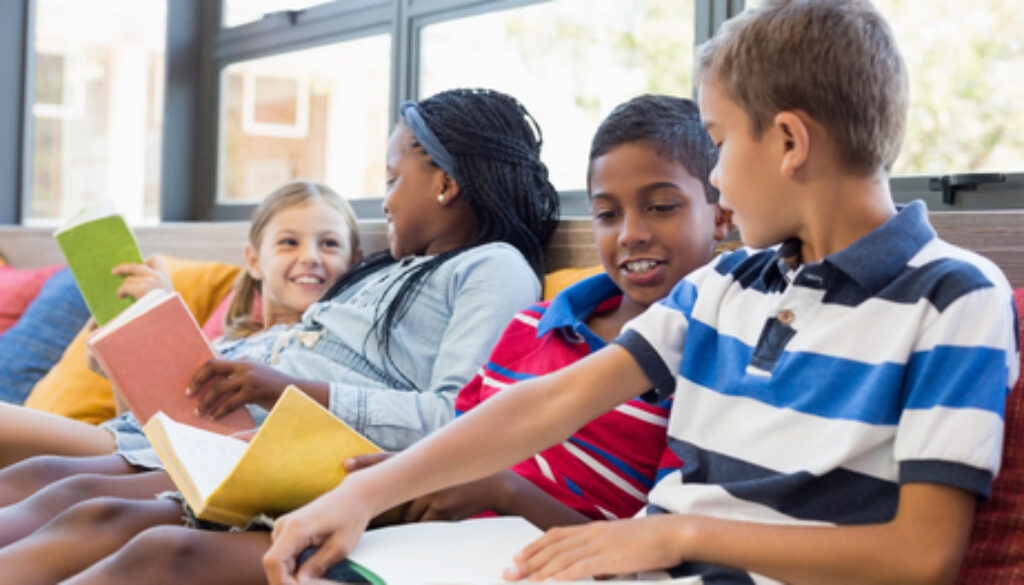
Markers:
998,235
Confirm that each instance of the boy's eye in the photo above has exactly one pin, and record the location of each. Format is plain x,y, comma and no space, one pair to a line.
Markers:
664,207
287,242
330,243
603,214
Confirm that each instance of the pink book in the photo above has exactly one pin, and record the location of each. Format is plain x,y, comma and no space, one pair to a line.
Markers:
150,353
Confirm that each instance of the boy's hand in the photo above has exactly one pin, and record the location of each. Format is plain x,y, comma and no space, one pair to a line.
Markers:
333,523
601,549
454,503
224,385
142,278
461,501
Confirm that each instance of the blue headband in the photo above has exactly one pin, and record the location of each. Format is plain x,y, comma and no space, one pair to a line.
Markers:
425,136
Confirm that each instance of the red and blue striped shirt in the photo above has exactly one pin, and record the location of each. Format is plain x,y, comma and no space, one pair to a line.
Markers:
607,467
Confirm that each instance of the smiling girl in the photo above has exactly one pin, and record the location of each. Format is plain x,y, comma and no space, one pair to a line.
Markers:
470,208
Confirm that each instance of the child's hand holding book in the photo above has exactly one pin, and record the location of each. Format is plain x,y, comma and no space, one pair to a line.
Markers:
142,278
225,385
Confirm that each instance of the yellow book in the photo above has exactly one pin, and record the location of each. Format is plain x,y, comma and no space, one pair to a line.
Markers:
297,454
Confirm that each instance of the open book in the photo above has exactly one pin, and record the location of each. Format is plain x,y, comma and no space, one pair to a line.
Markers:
296,455
94,241
473,551
150,352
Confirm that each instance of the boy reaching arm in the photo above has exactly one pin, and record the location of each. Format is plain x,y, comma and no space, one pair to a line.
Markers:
838,389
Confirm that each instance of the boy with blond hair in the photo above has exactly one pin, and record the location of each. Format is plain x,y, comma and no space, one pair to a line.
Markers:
839,386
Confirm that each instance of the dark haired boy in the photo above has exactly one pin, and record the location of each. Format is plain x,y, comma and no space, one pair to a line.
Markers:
839,387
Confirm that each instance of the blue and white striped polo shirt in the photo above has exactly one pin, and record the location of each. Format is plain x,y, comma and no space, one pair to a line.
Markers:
808,397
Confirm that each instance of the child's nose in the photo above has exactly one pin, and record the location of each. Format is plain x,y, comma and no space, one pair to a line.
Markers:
309,253
633,230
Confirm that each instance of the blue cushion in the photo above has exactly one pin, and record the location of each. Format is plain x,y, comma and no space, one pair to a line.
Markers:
33,344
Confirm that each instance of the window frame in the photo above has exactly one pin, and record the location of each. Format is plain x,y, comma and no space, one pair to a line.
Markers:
199,48
282,32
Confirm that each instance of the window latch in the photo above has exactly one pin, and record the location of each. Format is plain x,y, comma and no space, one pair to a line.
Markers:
951,184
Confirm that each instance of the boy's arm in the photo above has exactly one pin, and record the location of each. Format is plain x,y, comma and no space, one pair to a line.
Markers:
505,493
924,543
484,441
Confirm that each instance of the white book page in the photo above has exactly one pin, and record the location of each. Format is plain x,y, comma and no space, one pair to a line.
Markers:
207,456
88,213
474,551
470,551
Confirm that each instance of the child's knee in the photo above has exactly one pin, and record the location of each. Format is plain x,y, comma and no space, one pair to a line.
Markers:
96,513
76,488
41,469
171,548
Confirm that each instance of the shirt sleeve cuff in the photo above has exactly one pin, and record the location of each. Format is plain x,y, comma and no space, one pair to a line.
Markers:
948,473
650,362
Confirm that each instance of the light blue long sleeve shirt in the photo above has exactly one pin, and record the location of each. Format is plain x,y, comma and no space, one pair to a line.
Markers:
437,346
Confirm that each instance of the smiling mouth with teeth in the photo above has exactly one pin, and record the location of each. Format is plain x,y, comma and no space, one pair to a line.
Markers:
307,280
641,265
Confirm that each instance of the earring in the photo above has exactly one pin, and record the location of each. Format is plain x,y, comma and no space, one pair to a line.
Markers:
441,199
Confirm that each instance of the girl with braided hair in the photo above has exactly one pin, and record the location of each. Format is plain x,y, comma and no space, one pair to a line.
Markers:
469,209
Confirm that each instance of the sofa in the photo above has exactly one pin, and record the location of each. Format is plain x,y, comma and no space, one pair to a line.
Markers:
204,258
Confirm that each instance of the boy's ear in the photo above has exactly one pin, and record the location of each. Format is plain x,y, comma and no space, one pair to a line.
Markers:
796,140
252,264
723,222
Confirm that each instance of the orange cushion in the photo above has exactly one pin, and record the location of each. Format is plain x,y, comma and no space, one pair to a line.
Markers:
995,554
71,389
555,282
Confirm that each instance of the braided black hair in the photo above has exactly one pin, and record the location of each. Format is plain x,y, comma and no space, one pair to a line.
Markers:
495,146
671,126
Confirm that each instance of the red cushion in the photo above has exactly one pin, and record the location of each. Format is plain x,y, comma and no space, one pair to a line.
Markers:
995,555
17,289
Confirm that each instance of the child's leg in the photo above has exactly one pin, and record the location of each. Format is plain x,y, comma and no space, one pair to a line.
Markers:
26,433
172,555
81,536
19,520
27,477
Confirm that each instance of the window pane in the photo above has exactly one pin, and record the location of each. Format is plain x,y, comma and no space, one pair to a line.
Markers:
569,61
966,83
966,65
237,12
98,107
319,114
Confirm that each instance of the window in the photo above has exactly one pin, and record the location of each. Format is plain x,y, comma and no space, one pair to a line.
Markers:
261,91
966,115
319,114
97,107
238,12
966,112
569,61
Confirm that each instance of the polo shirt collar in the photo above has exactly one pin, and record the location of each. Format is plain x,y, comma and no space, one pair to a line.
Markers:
575,304
875,259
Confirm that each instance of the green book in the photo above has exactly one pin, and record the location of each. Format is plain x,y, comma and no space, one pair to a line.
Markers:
94,241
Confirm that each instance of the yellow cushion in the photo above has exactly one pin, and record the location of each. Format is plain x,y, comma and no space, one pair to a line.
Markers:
71,389
555,281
